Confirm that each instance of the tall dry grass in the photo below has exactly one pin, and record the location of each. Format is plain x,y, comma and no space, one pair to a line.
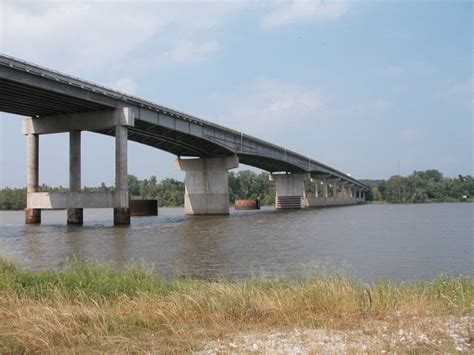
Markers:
96,308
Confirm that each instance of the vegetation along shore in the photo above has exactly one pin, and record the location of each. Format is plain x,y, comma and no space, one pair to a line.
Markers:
93,308
420,187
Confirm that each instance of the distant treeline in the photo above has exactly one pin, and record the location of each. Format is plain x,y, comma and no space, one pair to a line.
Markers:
421,186
168,192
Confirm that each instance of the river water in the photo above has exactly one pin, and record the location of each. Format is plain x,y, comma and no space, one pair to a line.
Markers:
398,242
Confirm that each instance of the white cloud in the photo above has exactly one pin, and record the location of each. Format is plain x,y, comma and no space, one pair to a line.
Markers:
462,92
459,89
126,85
366,109
88,36
303,10
268,106
187,51
271,108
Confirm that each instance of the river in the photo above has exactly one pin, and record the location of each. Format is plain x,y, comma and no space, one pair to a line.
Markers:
396,242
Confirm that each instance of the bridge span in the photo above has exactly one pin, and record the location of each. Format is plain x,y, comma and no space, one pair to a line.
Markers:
55,102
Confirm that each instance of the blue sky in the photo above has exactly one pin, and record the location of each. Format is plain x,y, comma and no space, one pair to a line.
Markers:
362,86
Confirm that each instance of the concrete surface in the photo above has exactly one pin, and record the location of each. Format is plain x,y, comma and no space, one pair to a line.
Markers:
207,184
290,190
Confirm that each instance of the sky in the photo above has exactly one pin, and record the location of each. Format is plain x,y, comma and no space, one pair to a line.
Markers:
372,88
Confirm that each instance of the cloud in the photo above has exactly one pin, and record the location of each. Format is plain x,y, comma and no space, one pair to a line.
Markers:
294,11
462,92
361,110
188,52
126,85
89,36
268,106
393,71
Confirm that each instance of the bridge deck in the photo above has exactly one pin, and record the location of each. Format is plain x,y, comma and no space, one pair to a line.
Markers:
31,90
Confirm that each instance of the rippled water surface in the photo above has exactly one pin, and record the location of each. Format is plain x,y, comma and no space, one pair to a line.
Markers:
400,242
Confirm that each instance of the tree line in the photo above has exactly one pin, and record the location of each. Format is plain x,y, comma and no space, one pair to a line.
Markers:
421,186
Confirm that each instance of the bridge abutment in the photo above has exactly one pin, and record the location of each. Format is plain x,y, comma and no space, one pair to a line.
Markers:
290,190
207,184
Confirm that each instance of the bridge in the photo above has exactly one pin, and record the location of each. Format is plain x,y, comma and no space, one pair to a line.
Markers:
58,103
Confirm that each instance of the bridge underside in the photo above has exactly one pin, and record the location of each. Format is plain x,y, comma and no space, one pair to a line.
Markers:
268,164
32,101
174,142
36,102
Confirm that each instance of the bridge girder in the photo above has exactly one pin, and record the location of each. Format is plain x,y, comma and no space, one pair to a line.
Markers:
31,90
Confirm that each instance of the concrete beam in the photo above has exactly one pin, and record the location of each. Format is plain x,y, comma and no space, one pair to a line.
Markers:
330,201
207,184
316,175
84,121
66,200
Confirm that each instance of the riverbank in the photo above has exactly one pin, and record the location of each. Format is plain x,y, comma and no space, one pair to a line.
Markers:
90,308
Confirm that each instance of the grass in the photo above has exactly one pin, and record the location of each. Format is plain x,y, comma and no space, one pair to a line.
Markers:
96,308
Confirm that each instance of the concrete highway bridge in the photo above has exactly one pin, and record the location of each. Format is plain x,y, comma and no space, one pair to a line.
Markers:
55,102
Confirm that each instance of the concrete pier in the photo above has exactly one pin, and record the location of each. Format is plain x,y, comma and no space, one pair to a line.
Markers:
207,184
122,210
290,190
334,188
348,194
321,188
32,215
75,200
75,215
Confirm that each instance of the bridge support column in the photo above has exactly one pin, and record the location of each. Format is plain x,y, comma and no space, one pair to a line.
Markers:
290,191
343,190
75,215
32,215
207,184
122,211
325,189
